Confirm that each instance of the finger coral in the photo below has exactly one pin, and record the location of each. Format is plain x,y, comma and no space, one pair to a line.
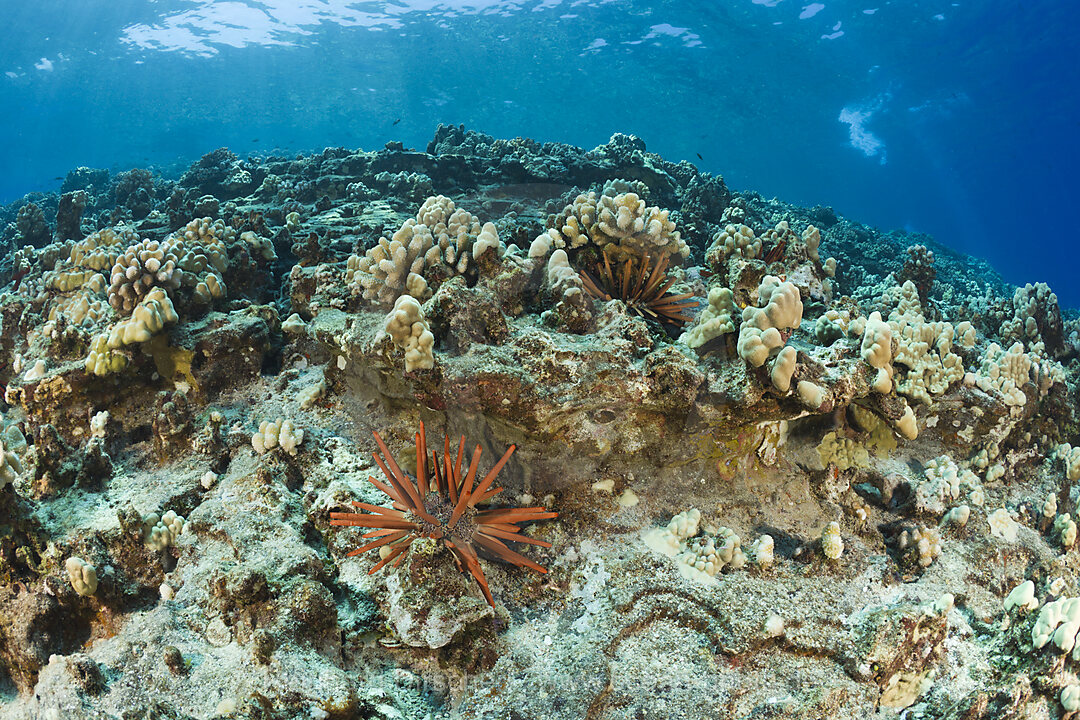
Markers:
448,514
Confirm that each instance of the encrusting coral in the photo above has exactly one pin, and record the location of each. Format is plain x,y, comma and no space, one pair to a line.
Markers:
448,514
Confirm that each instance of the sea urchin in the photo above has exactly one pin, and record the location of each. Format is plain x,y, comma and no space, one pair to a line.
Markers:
449,514
643,287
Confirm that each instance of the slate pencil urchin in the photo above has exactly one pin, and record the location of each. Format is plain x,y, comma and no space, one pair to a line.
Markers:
448,514
643,287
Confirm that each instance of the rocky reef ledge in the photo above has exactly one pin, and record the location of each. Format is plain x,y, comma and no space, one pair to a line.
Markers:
801,467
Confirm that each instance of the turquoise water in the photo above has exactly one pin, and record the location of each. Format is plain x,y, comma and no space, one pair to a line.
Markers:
958,119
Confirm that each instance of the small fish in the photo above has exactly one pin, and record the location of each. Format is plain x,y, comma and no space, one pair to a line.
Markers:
255,140
699,156
58,178
397,121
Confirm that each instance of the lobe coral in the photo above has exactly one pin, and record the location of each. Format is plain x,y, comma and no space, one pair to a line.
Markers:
441,504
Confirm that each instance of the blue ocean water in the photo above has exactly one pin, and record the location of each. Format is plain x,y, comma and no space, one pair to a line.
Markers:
959,119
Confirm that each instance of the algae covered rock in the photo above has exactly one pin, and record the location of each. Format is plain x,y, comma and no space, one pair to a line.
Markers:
429,603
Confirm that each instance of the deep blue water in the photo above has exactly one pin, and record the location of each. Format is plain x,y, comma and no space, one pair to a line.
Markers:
959,119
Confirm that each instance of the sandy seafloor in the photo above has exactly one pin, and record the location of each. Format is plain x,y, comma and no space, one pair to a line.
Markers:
812,501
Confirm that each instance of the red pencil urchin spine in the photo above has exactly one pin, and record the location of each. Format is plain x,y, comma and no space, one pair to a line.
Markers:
446,511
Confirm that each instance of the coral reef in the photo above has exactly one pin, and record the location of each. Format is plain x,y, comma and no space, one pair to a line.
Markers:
792,465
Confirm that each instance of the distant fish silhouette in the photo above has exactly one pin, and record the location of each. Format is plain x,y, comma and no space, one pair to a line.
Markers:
699,156
255,140
58,178
397,121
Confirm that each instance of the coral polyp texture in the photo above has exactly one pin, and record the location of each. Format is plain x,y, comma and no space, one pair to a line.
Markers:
803,468
442,505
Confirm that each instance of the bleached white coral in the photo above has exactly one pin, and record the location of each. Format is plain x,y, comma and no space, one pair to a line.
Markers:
762,551
709,554
1022,598
924,349
1058,621
1007,371
311,394
831,542
10,465
159,532
1065,529
1002,525
1049,506
1070,458
571,228
811,394
442,238
714,321
958,515
83,575
965,334
666,540
574,305
923,542
263,247
1070,698
36,372
1035,311
294,325
408,328
877,351
733,240
396,266
783,368
98,423
618,222
277,433
486,240
944,481
700,557
908,424
626,221
811,237
760,333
